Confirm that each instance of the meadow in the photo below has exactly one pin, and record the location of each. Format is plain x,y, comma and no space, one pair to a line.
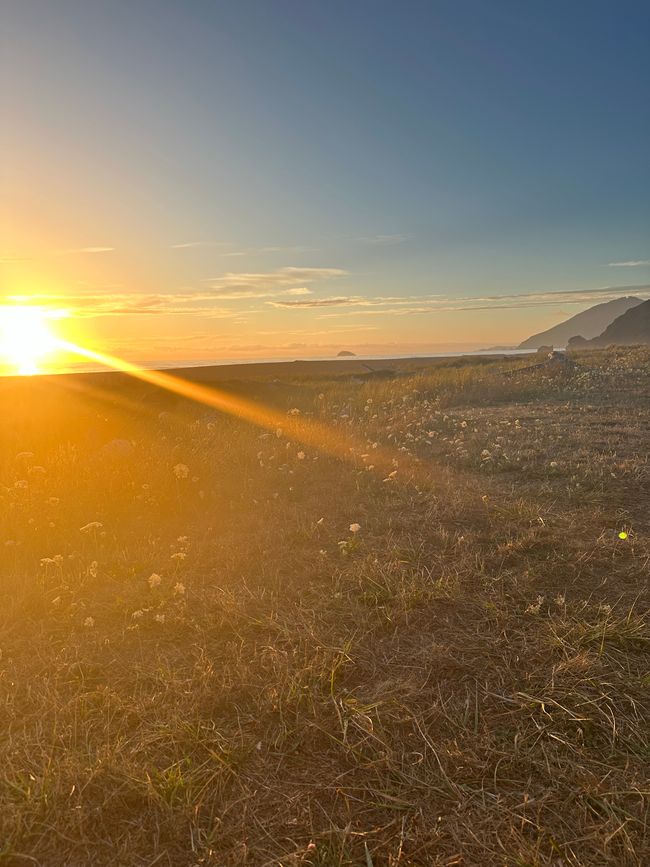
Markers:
398,619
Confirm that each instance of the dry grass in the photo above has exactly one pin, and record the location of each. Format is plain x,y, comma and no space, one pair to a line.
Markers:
464,680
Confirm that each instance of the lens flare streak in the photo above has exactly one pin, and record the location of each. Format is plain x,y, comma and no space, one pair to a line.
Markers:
335,442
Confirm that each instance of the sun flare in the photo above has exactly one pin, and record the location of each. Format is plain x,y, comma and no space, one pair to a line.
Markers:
27,337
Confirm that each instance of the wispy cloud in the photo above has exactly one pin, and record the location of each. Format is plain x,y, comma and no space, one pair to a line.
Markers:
632,263
207,301
559,296
282,281
76,250
277,287
384,240
98,304
357,301
318,302
187,245
251,292
367,310
445,304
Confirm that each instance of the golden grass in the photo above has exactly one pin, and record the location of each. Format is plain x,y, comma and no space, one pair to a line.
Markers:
462,680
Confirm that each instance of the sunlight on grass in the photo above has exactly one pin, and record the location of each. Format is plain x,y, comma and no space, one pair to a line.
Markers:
412,585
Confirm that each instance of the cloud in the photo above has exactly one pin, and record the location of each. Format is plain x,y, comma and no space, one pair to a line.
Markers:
632,263
487,302
186,245
561,296
318,302
244,251
206,301
356,301
86,250
554,296
277,287
97,304
388,311
251,292
263,284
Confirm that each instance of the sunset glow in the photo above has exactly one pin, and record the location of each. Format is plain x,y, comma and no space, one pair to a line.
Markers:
258,214
27,338
324,363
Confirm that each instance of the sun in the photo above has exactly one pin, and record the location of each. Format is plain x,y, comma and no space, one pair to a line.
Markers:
26,337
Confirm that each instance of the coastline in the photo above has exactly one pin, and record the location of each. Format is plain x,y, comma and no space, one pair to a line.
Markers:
251,369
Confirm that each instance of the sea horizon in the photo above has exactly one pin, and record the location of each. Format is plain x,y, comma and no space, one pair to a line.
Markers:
182,364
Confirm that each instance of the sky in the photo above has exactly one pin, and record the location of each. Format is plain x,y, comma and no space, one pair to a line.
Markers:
202,179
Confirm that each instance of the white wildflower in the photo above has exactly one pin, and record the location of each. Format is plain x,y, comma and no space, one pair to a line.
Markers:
534,607
181,471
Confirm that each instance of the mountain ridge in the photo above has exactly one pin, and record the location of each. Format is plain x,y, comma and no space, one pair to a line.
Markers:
629,328
590,323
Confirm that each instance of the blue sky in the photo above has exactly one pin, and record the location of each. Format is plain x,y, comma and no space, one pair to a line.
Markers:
280,177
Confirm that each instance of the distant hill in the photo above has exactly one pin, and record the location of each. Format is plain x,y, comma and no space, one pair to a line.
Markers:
588,324
345,353
629,328
497,349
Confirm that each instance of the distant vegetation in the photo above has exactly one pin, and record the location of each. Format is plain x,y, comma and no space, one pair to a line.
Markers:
426,642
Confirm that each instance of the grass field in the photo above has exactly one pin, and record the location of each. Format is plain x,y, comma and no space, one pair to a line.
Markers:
404,621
